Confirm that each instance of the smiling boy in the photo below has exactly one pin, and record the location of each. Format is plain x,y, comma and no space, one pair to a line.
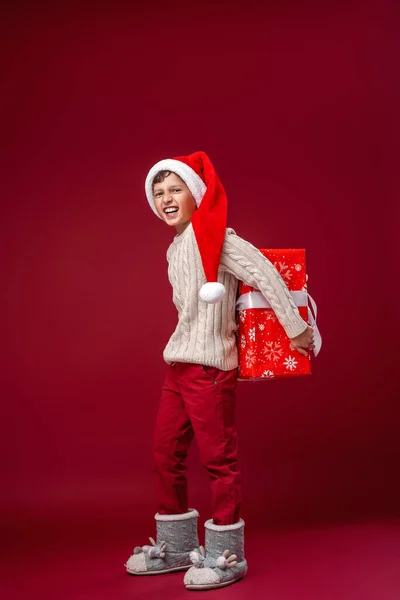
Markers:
173,200
206,260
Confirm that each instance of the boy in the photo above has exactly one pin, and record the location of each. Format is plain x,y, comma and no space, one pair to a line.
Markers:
206,261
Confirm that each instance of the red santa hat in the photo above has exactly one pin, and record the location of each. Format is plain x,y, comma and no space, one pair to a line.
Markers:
209,221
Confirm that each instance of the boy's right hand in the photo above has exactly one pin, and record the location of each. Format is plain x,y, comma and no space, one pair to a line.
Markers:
304,341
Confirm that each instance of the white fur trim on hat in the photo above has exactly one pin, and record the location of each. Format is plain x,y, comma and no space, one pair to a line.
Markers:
189,515
210,525
195,184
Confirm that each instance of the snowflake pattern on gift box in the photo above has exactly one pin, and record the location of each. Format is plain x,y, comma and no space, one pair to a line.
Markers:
290,363
271,316
242,315
272,350
274,354
250,358
284,271
267,374
243,341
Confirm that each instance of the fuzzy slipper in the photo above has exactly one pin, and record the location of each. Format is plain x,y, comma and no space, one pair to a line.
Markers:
176,538
222,562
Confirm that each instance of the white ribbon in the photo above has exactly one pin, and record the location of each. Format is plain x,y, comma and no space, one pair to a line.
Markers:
300,298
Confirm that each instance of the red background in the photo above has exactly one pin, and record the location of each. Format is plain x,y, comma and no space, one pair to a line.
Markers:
295,104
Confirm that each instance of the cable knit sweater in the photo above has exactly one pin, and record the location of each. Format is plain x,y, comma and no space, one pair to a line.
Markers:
205,333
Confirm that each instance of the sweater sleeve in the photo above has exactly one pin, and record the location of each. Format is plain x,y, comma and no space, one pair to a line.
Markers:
248,264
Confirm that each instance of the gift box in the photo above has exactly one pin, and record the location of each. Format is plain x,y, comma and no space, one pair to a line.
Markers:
265,351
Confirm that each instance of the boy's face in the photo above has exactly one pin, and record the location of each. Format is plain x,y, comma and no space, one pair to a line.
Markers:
173,193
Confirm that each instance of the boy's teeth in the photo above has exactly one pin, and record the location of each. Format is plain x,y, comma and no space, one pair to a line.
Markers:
170,210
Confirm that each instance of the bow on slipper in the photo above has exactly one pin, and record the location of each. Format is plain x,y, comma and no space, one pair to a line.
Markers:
225,561
153,551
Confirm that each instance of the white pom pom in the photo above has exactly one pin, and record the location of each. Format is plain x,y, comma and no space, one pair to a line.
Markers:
212,292
195,558
221,562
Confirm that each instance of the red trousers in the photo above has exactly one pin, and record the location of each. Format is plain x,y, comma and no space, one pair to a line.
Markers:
197,401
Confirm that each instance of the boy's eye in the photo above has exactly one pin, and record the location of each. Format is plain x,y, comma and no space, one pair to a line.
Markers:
158,194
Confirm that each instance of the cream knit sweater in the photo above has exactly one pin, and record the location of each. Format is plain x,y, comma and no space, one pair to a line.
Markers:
205,333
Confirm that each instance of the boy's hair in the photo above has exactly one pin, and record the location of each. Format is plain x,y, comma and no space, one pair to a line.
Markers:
160,176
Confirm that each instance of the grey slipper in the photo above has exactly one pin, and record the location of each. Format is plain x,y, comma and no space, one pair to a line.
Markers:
176,538
222,562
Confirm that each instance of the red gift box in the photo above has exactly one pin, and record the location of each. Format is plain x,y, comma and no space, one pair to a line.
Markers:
265,351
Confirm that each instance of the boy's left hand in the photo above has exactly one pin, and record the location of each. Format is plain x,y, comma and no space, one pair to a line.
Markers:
304,341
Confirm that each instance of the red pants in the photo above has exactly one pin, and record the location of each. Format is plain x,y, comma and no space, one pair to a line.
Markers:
197,401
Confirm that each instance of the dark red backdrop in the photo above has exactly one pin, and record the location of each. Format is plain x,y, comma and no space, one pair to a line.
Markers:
295,104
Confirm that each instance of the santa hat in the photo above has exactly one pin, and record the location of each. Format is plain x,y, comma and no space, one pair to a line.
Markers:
209,221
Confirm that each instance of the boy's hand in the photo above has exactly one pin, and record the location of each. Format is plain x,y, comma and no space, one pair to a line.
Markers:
304,341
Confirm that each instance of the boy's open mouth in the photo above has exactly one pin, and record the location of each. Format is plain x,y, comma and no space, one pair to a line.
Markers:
171,210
